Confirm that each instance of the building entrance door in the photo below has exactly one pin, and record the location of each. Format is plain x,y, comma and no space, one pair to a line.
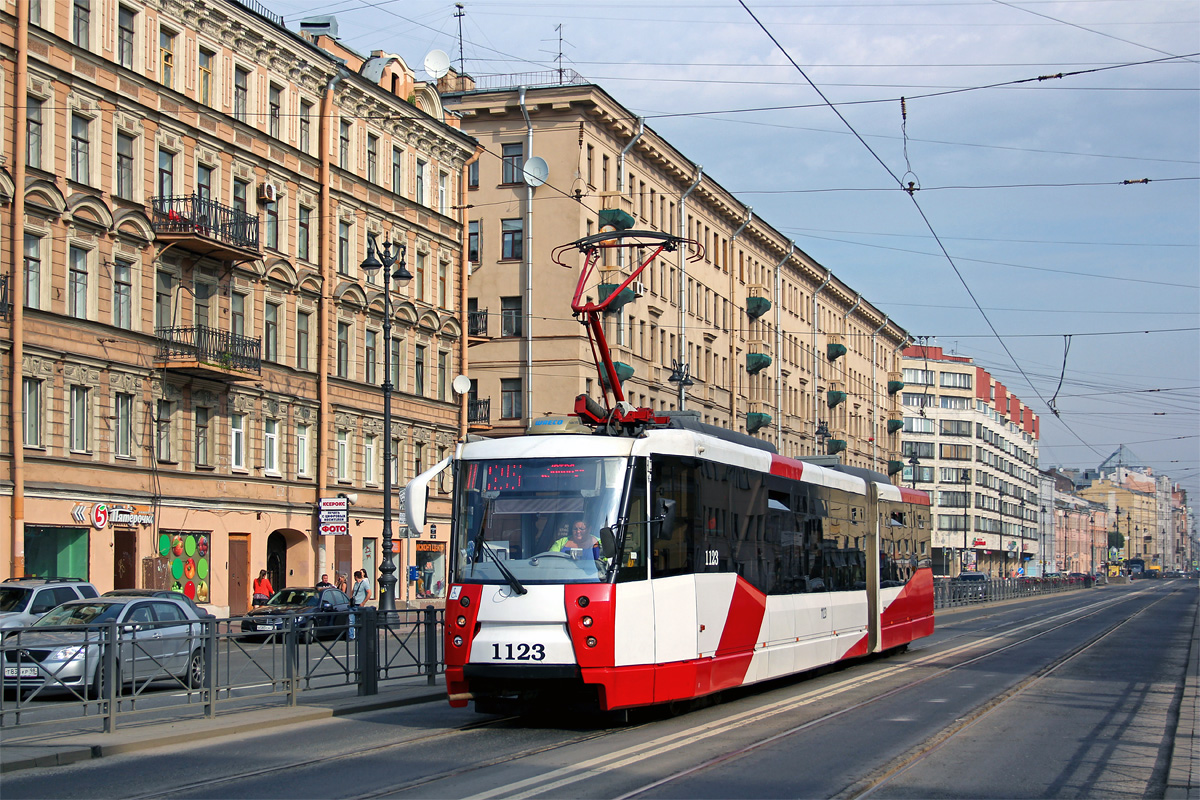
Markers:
124,559
343,549
239,574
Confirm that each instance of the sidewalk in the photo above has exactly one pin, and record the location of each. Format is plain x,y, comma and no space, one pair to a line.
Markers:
37,747
1183,781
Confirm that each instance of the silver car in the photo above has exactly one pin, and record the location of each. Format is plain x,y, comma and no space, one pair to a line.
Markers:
157,638
24,600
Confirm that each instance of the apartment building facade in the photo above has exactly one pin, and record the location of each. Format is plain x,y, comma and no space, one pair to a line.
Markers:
194,355
973,446
758,336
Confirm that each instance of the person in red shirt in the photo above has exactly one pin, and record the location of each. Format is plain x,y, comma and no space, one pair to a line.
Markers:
262,588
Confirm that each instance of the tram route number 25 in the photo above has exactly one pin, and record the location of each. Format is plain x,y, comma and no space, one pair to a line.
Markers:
518,651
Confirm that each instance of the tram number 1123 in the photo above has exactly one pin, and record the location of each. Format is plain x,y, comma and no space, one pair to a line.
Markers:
518,652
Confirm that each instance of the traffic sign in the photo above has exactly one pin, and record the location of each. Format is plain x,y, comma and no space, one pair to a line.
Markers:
333,529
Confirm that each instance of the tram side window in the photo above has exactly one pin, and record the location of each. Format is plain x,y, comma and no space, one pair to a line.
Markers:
674,479
632,564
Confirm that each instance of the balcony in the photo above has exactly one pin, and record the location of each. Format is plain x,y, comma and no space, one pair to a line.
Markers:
205,352
201,225
477,327
479,414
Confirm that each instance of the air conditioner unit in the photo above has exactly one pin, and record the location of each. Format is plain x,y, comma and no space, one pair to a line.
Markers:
639,288
267,192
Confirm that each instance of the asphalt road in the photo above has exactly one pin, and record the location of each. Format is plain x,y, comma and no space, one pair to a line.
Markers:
1073,695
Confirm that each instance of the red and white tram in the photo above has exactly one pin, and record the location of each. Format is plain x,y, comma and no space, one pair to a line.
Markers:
716,562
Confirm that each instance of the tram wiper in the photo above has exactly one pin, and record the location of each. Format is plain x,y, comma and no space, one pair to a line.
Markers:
508,576
481,546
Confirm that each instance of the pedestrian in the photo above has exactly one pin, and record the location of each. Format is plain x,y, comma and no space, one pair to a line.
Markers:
262,588
428,575
362,590
324,582
339,580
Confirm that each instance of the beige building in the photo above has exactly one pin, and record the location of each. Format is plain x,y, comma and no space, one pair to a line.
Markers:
772,342
973,446
1132,503
193,354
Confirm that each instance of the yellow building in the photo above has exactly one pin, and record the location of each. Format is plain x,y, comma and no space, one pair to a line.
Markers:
193,354
772,342
1130,500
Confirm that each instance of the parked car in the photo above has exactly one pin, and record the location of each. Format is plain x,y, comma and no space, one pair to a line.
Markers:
180,596
971,585
318,615
157,637
24,600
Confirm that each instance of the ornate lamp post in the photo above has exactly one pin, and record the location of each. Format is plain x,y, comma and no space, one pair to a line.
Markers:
391,255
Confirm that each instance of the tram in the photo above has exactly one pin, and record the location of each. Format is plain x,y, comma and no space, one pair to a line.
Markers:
642,557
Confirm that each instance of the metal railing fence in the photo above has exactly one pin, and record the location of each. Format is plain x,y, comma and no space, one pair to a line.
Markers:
949,593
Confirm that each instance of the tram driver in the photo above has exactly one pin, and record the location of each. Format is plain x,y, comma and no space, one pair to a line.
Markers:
577,541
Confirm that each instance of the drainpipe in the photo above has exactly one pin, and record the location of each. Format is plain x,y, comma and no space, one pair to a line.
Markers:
527,384
779,367
16,240
732,339
816,370
641,128
683,281
325,318
846,316
875,396
464,272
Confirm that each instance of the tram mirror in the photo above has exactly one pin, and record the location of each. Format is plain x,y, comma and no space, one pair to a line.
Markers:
608,542
665,509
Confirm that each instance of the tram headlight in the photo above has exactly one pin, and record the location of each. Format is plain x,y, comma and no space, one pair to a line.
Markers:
591,641
464,601
587,622
583,601
462,621
458,641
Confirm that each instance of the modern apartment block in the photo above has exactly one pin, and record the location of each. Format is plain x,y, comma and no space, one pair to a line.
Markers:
973,446
193,355
765,339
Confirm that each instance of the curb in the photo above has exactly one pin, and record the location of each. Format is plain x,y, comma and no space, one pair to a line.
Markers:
1183,779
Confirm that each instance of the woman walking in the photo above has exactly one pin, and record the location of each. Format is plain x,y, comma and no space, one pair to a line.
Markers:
262,588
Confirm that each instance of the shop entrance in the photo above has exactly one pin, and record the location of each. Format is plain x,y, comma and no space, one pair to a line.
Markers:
431,568
343,548
124,558
277,560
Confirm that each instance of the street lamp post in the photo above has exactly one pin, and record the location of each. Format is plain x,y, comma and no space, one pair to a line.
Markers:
391,255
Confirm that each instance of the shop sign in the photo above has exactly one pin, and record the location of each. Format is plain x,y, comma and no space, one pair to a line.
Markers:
103,515
1012,545
979,543
430,547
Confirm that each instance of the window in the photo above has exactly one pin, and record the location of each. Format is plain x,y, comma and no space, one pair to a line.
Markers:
271,446
166,55
204,180
343,455
604,172
372,158
81,161
126,20
33,132
918,425
123,425
591,165
395,367
166,173
237,314
420,195
473,241
419,275
237,441
206,76
419,371
918,449
956,380
473,175
344,247
511,162
956,427
954,475
510,316
956,403
443,193
306,125
343,349
954,499
957,452
924,474
270,343
241,94
241,190
303,220
164,300
511,239
81,22
918,400
443,283
163,431
124,166
274,109
77,284
397,170
272,215
443,374
33,271
81,414
918,377
31,412
123,294
370,355
203,440
344,144
368,459
303,318
302,449
510,398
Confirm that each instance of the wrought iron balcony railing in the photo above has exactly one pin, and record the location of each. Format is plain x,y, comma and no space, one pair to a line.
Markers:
479,412
204,345
477,323
198,215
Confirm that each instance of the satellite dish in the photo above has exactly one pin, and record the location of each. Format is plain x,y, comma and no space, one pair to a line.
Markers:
461,384
437,64
536,171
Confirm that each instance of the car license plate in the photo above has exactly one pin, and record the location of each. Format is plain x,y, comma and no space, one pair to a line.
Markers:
266,627
25,672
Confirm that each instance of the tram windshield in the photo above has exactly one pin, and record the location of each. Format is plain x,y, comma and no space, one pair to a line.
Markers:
536,520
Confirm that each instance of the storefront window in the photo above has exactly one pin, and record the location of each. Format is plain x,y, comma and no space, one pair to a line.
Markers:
56,552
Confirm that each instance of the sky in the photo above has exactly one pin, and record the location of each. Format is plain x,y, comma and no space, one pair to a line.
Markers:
1022,245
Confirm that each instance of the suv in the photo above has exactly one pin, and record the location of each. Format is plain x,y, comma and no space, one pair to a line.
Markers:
24,600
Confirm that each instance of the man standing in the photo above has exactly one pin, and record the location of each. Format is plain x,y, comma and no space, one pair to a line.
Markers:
324,583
